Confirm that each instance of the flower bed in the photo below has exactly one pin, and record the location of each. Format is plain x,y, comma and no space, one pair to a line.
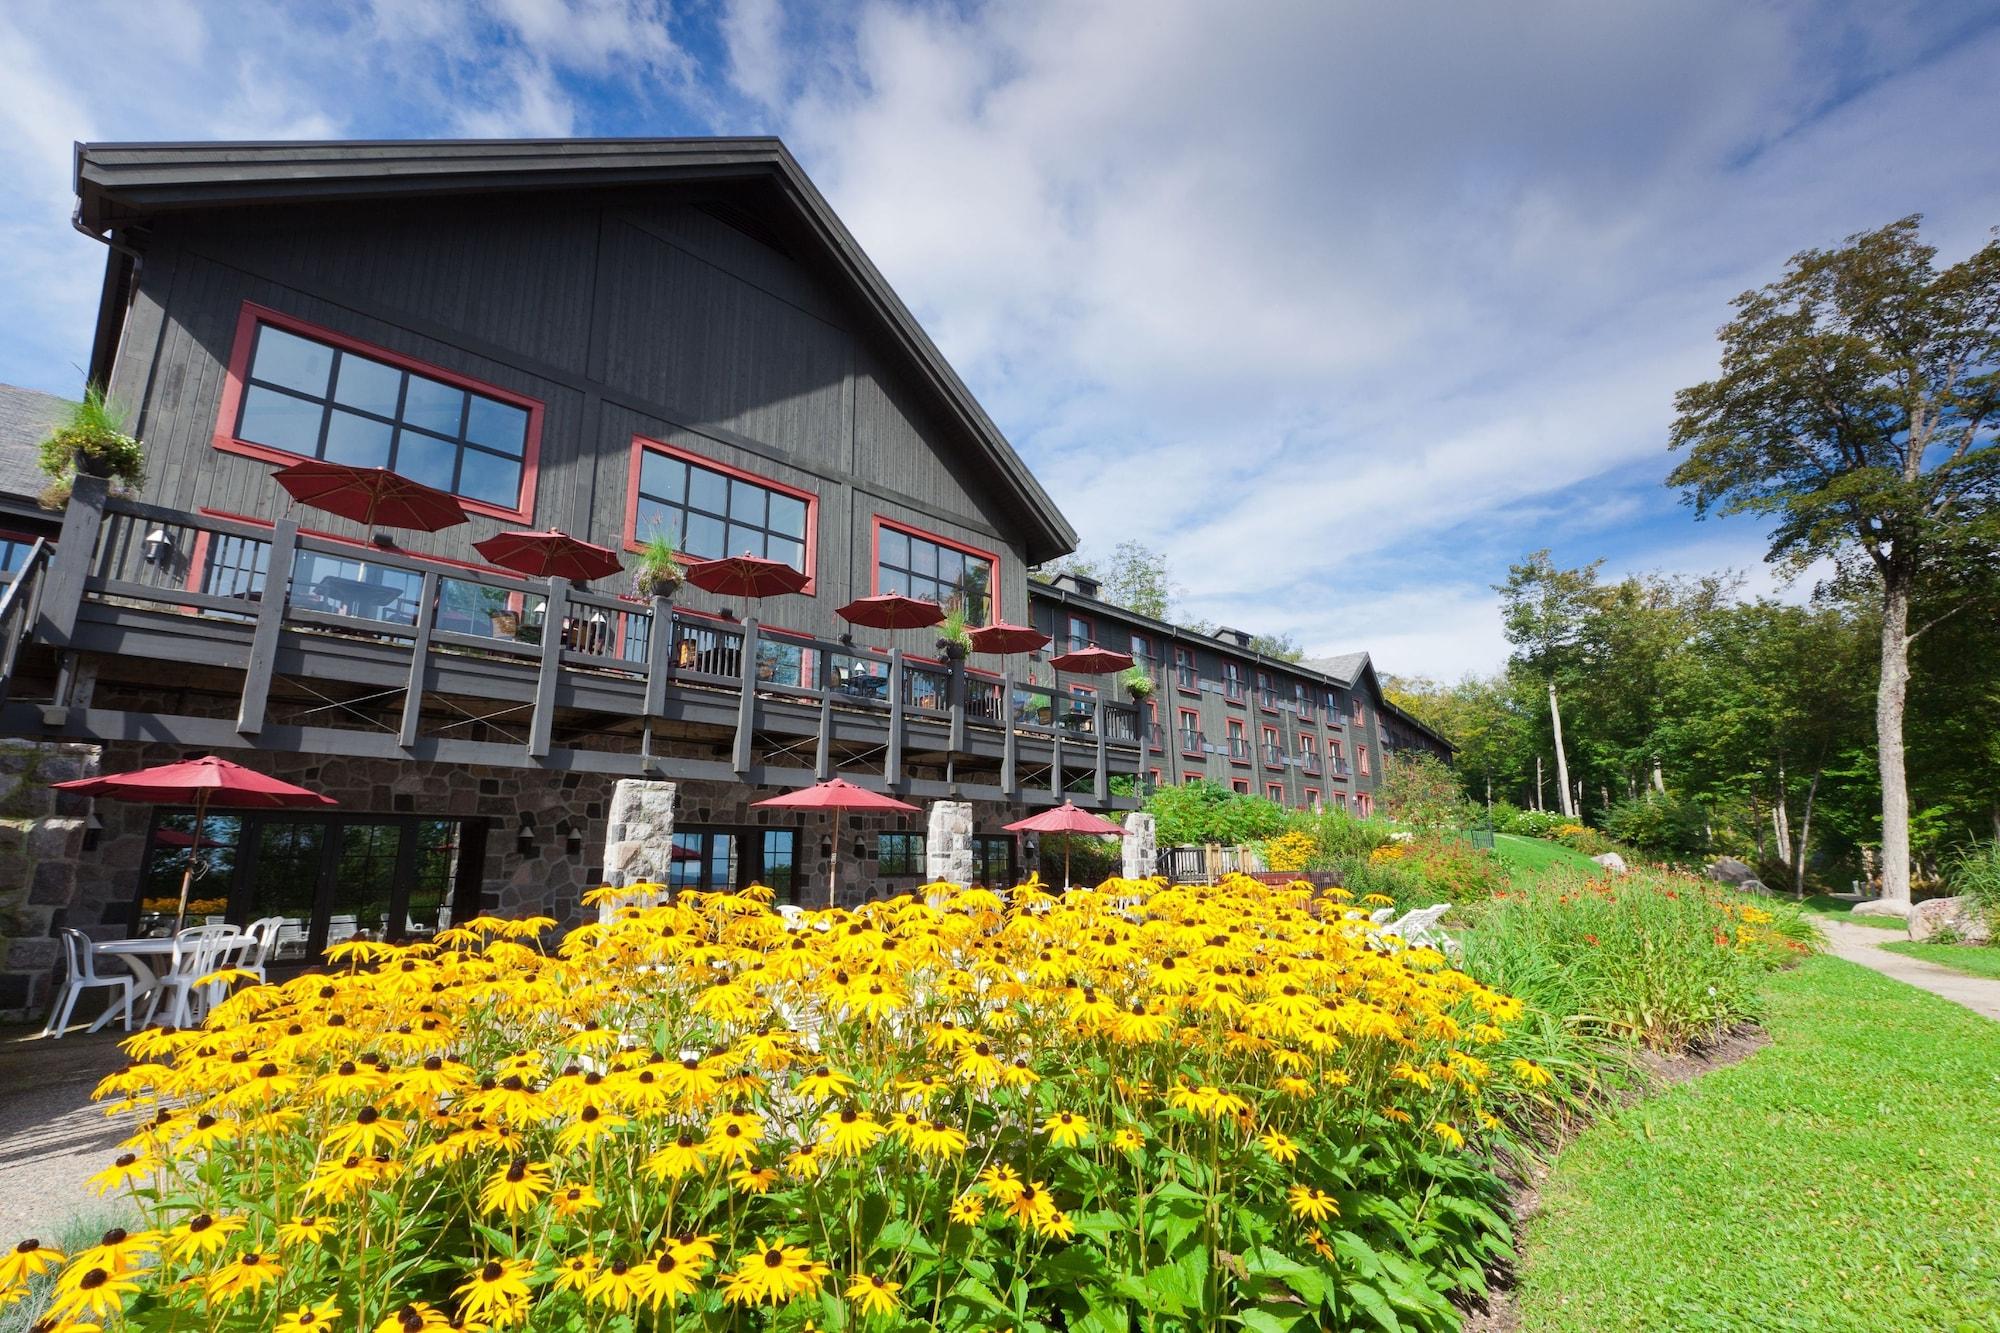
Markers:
1140,1106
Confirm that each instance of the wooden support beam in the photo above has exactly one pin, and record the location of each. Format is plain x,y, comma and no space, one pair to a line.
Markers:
1010,750
659,649
892,761
270,620
957,705
746,698
420,659
1055,763
543,724
823,752
1101,785
76,551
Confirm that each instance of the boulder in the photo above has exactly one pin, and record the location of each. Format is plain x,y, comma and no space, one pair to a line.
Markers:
1958,919
1612,861
1729,870
1754,886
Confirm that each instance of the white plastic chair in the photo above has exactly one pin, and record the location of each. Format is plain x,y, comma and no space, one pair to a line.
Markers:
1418,930
263,934
82,961
195,950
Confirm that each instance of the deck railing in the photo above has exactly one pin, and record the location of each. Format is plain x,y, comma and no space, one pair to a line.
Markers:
145,557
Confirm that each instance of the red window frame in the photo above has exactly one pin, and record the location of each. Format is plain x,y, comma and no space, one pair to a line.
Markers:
1154,774
1361,760
238,374
1267,692
1313,798
1272,738
1185,715
641,443
1340,800
1232,682
1364,805
881,521
1275,791
1241,786
1184,660
1233,731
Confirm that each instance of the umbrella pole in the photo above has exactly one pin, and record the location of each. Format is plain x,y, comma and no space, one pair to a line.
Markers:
187,876
1065,862
833,866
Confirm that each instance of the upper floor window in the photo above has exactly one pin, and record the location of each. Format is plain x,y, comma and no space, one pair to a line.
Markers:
1232,681
959,578
1079,636
1184,667
1142,651
710,510
299,392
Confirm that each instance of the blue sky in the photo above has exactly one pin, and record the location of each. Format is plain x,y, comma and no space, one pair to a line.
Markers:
1355,303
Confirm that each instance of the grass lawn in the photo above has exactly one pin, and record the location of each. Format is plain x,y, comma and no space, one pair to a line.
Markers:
1846,1177
1529,858
1972,959
1819,904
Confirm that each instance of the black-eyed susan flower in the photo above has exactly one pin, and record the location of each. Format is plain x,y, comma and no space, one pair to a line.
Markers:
29,1259
1281,1146
1128,1138
823,1084
93,1292
754,1179
872,1294
120,1251
849,1133
128,1169
414,1317
496,1292
667,1277
1066,1129
308,1319
200,1236
683,1154
245,1275
773,1272
515,1188
967,1209
615,1286
1307,1202
575,1272
575,1201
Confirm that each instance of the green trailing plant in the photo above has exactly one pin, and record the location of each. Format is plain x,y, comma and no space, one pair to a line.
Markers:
1138,682
91,439
659,571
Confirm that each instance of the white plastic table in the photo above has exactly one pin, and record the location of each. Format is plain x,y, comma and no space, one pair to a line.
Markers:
138,955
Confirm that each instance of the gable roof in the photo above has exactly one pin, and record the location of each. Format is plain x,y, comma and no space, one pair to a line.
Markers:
1343,667
26,416
120,185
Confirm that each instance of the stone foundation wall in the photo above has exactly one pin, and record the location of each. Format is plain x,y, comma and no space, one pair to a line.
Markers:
43,836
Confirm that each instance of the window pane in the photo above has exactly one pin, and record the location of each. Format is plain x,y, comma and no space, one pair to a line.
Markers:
746,502
434,406
663,478
296,363
497,425
745,540
656,519
792,553
489,478
923,558
709,490
426,458
893,580
788,516
951,565
705,537
368,385
280,420
359,440
895,548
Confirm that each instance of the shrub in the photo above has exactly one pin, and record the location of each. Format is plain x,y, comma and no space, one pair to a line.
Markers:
92,437
1662,826
1528,823
1338,836
1660,959
1974,872
1202,812
1041,1114
1291,850
1421,790
1424,871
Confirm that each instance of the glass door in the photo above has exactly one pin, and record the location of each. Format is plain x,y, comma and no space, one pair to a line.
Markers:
283,874
363,887
776,868
703,859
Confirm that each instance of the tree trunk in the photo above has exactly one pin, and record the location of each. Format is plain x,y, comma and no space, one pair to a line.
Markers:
1562,760
1659,777
1891,693
1538,783
1781,816
1805,837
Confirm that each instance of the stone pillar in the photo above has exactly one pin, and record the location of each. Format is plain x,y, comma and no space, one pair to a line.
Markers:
948,843
41,845
1142,849
639,838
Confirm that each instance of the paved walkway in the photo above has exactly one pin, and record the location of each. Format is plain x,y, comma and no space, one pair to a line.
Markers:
1863,945
52,1136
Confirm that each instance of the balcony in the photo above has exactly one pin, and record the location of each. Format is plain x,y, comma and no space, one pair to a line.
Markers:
1238,749
1274,754
1267,700
1193,742
1338,768
1233,690
1185,678
1309,764
373,653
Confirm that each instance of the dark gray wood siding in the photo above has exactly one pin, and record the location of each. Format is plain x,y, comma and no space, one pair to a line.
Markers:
623,315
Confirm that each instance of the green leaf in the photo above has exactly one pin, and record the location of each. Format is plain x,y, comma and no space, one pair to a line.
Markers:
1374,1305
1272,1319
1102,1318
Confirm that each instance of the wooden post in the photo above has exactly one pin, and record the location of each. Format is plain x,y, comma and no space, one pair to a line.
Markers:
1055,756
823,754
659,651
76,551
544,722
746,698
420,659
270,619
1009,746
1101,785
892,760
957,742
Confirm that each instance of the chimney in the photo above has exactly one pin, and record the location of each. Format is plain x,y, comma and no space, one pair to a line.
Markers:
1081,584
1240,637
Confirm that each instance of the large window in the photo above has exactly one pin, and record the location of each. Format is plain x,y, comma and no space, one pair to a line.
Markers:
711,511
900,853
321,397
957,577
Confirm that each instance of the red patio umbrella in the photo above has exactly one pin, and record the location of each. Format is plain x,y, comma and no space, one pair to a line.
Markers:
1066,819
892,610
1091,661
206,781
746,575
1000,637
550,554
370,495
835,794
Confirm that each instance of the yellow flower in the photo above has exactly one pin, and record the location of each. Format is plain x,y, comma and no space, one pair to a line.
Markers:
967,1209
1531,1073
128,1169
367,1133
201,1236
93,1291
615,1285
1449,1134
733,1137
1281,1148
575,1272
850,1133
246,1274
574,1201
29,1259
414,1317
1032,1204
496,1293
1066,1130
1128,1139
303,1231
1307,1202
685,1154
667,1277
754,1180
773,1272
823,1084
516,1188
977,1064
873,1295
119,1252
309,1318
937,1139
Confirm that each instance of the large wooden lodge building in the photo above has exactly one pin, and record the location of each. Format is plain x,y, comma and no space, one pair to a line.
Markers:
613,338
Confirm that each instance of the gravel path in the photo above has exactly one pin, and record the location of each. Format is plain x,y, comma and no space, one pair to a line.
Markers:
1863,945
52,1136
